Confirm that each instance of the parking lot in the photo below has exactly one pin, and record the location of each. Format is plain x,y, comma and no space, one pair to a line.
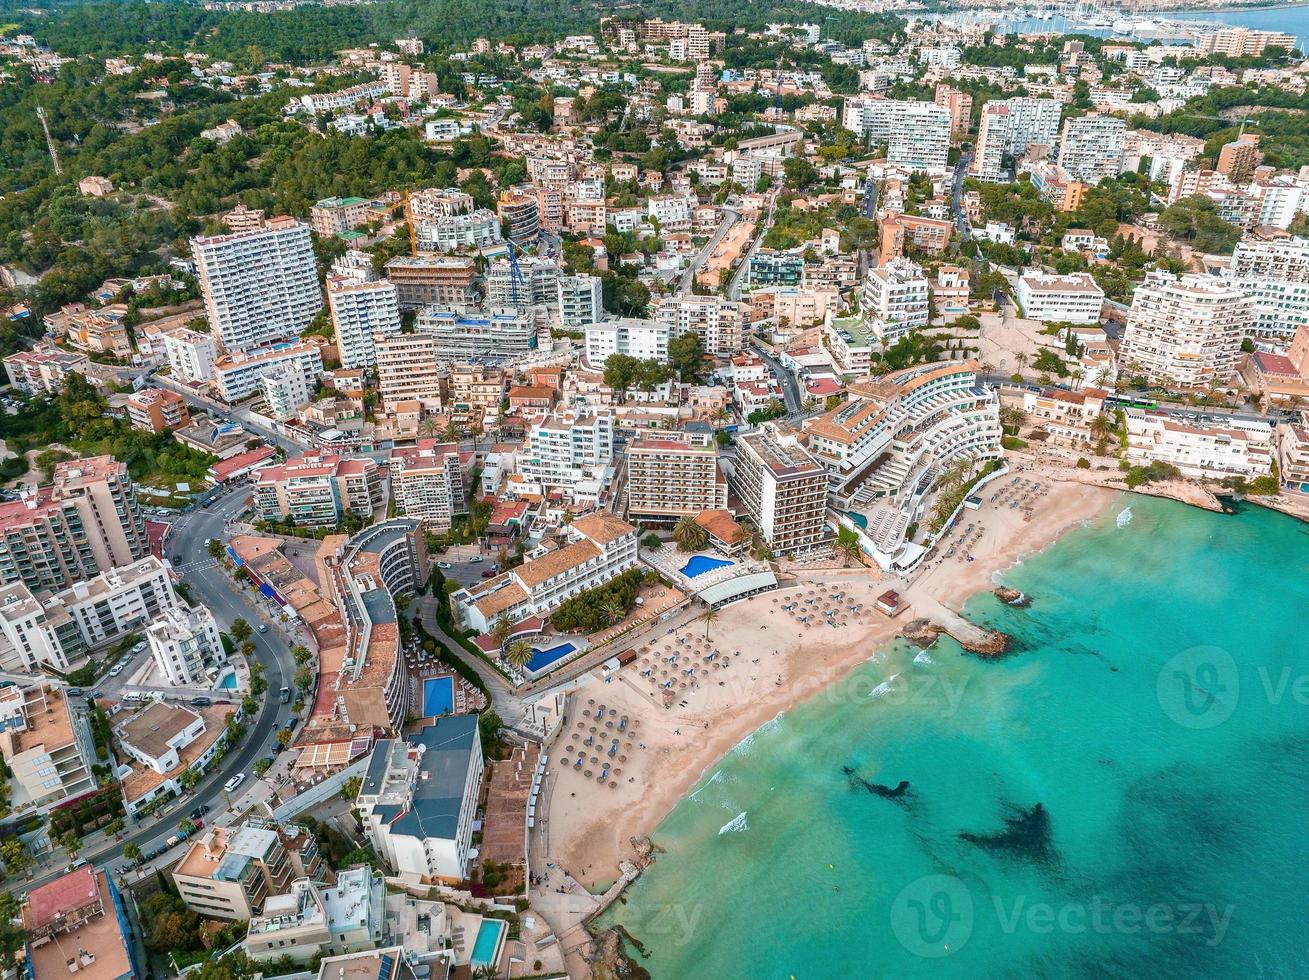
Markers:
462,570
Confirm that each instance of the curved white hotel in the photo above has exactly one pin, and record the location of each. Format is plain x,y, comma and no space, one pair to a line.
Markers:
904,427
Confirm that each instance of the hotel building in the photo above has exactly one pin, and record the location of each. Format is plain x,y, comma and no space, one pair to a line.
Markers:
1239,448
1186,330
566,448
784,490
602,547
418,800
895,299
673,474
259,285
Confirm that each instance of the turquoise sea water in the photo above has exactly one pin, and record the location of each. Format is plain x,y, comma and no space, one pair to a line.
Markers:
1158,713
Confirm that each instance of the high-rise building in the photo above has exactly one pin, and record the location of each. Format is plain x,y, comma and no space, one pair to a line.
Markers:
1238,42
916,134
407,369
359,310
237,374
427,482
581,300
674,474
521,215
783,489
1091,147
565,449
717,320
1185,330
258,285
895,299
1276,275
960,106
1237,160
191,354
1008,127
88,521
536,285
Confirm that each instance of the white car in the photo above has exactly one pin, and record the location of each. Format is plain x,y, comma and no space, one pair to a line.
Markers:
443,564
234,782
115,670
475,560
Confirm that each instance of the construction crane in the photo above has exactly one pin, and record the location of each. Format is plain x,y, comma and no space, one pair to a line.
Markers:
49,141
515,273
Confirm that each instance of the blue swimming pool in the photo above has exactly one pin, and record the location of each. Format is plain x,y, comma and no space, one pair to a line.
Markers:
544,658
699,564
438,696
488,942
227,682
859,519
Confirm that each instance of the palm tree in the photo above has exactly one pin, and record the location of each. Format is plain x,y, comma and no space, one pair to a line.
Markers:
519,653
613,610
847,542
1022,359
429,428
1077,374
485,972
710,615
1101,428
501,629
689,535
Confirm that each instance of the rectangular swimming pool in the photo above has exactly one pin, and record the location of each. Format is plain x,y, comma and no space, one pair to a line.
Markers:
544,658
438,696
488,942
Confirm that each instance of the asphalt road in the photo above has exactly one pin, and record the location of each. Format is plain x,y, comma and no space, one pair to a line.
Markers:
790,390
957,195
211,588
730,217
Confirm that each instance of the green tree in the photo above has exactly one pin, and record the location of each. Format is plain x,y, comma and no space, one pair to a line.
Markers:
686,357
241,630
350,789
689,535
519,653
847,542
15,856
304,678
215,548
799,173
501,629
132,852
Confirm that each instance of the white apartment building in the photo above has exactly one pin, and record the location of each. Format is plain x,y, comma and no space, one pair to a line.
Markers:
783,488
407,369
895,299
48,755
191,354
673,474
319,919
1275,274
1091,147
602,547
432,203
1187,330
258,285
427,482
461,335
418,800
36,634
565,449
717,320
359,310
181,640
643,339
237,373
581,300
1239,448
916,134
1074,298
672,212
118,600
285,391
156,736
458,231
1008,127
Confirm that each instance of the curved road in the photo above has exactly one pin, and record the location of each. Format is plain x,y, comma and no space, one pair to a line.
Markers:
209,587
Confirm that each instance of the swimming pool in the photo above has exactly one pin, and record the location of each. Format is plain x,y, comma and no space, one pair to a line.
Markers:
699,564
226,682
859,519
438,696
488,943
544,658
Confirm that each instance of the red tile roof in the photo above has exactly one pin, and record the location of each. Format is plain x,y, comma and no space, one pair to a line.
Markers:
73,891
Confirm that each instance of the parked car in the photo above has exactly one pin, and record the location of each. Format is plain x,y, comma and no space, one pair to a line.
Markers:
73,692
444,564
489,573
115,670
201,701
234,782
139,647
475,560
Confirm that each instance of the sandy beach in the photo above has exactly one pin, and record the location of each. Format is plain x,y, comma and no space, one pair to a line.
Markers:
753,660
